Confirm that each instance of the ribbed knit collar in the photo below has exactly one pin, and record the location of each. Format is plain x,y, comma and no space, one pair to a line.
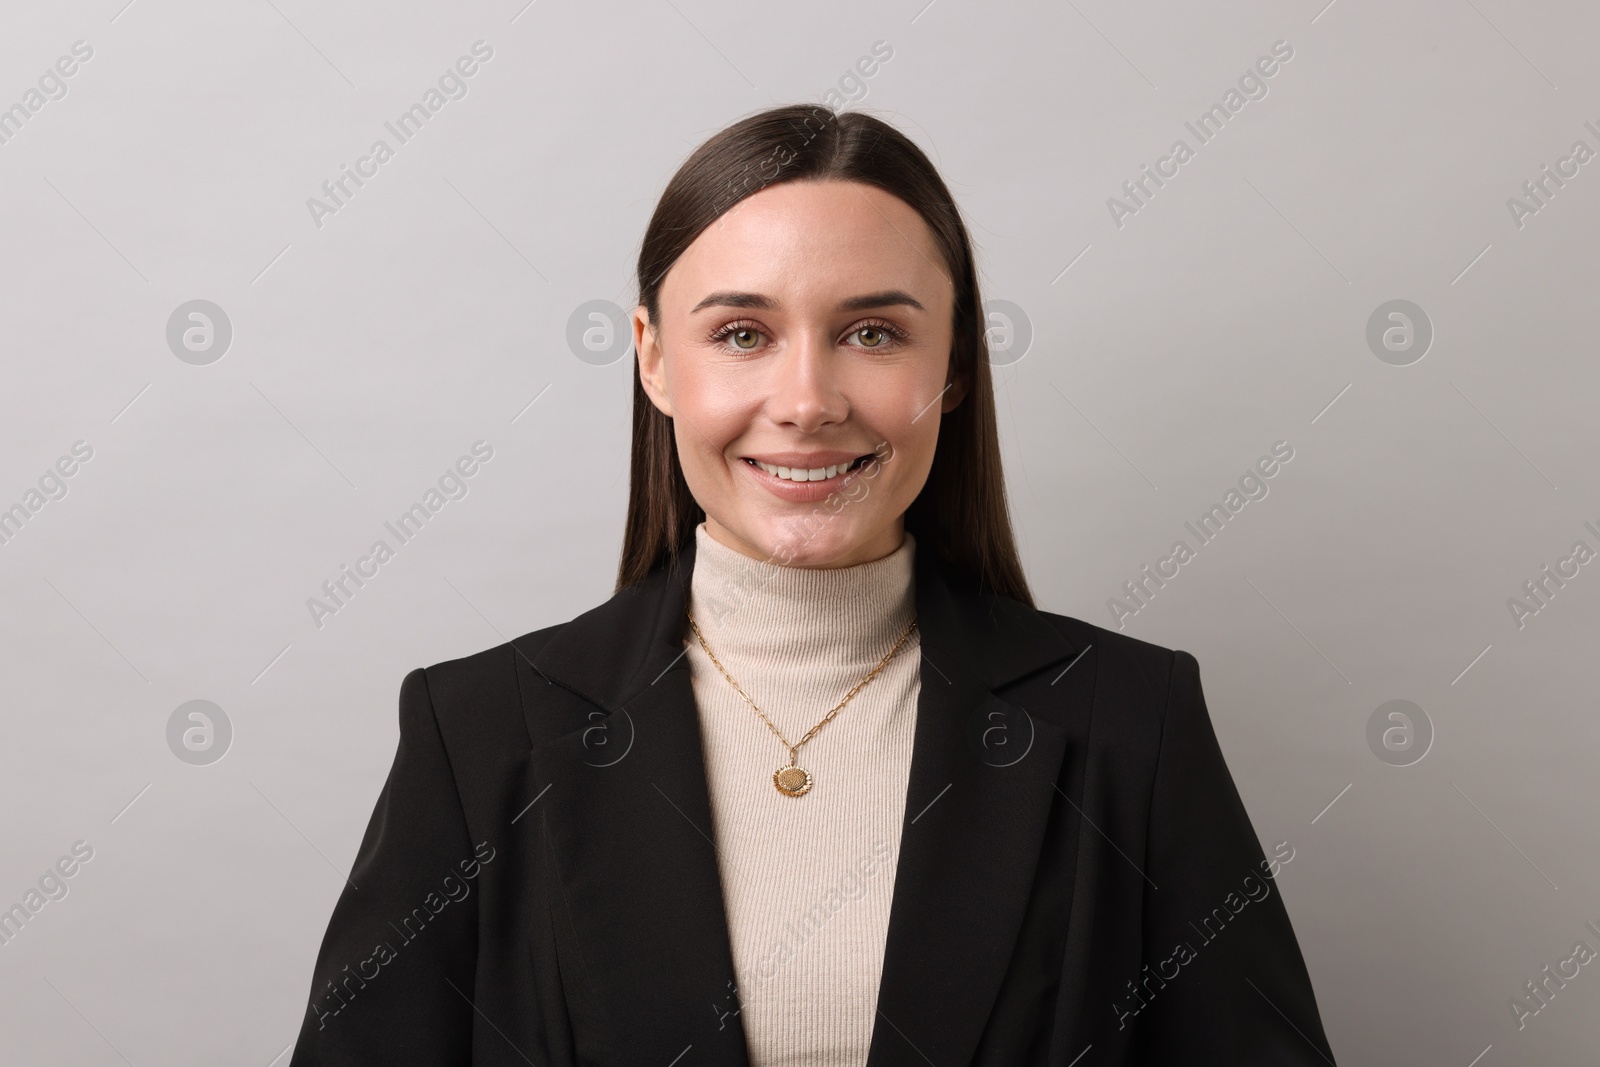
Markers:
753,612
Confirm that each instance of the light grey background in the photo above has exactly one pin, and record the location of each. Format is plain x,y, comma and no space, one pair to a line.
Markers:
1169,353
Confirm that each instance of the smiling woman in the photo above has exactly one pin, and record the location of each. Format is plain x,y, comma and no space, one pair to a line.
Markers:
819,784
810,349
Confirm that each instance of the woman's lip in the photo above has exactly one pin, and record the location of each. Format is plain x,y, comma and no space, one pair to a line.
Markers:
808,460
805,492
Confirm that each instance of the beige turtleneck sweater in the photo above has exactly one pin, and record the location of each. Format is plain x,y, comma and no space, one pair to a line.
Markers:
807,880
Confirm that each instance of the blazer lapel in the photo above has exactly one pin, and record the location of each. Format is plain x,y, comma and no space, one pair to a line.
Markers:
628,818
983,779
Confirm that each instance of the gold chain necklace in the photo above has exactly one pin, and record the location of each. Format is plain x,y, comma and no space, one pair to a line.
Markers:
793,780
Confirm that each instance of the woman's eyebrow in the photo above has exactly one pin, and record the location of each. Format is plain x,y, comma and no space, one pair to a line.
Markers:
887,298
760,302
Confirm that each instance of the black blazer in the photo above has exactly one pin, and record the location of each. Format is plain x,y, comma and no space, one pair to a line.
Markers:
1078,882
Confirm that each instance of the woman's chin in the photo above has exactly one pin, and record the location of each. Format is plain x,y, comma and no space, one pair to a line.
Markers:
813,540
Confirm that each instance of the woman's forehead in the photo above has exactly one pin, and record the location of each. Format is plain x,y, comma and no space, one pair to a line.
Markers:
812,243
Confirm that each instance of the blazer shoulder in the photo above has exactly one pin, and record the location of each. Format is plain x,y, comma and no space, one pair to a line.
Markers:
477,701
1119,651
486,669
1134,679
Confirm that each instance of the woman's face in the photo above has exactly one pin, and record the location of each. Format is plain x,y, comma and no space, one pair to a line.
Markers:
808,327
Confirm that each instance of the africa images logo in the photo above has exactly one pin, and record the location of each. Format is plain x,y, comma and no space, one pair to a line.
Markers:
1252,85
1252,486
1252,888
452,85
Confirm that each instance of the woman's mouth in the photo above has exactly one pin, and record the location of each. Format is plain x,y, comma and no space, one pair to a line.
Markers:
805,485
812,474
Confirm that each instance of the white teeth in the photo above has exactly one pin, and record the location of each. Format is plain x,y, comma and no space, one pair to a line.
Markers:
795,474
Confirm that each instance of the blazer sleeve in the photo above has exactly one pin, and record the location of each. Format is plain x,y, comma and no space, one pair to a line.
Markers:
1224,982
395,972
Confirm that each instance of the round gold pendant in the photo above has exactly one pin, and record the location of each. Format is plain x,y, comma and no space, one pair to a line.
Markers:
792,781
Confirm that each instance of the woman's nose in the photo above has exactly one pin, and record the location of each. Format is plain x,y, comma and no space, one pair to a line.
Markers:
805,386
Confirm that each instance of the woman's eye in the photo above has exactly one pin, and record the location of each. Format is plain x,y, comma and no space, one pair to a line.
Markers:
748,338
875,336
743,338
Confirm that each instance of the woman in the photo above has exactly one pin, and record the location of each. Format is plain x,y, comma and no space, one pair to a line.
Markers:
819,784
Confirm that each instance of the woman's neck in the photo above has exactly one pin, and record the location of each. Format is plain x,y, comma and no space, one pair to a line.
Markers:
880,544
753,611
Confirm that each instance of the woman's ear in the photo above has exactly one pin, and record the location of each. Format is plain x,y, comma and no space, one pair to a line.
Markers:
959,384
652,361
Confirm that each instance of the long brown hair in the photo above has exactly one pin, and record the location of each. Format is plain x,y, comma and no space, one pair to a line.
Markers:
961,513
